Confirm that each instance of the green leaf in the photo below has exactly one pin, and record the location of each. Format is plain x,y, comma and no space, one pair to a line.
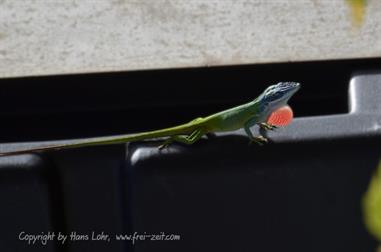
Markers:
372,205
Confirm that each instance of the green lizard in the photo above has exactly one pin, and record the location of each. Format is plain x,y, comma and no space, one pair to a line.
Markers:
268,110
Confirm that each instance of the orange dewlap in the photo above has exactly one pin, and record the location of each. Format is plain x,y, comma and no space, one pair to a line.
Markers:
281,117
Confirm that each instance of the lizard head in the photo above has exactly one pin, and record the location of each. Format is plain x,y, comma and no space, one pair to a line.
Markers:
274,103
278,95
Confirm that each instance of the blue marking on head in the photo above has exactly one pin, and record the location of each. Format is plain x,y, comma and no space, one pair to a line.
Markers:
279,94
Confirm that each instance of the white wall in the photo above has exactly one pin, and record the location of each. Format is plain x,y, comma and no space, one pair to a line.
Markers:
42,37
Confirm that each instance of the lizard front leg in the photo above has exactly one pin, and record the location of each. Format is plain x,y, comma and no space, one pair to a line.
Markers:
256,139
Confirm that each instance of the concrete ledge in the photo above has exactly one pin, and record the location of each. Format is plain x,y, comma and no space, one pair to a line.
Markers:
59,37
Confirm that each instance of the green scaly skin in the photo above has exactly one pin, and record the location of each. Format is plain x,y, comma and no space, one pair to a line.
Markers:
243,116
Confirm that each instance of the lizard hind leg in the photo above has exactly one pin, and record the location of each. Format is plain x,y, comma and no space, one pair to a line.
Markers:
190,139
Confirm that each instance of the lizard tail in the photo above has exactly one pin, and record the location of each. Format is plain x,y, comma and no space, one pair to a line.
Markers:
178,130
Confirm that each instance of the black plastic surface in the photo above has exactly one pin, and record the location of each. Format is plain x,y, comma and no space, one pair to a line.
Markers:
222,195
26,203
94,196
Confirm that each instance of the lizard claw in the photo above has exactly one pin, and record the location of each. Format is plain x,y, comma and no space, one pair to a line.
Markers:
268,126
260,140
163,146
